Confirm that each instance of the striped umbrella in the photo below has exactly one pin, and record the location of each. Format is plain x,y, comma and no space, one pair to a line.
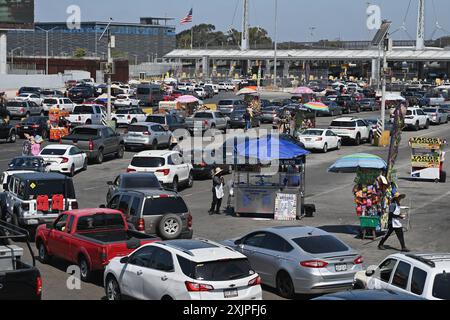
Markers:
353,162
317,106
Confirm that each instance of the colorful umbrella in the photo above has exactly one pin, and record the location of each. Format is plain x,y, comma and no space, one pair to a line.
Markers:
187,99
302,90
317,106
247,91
353,162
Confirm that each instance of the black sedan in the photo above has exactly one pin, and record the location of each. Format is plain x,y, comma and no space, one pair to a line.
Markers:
237,119
33,126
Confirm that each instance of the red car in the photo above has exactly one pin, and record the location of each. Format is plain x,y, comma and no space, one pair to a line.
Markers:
89,238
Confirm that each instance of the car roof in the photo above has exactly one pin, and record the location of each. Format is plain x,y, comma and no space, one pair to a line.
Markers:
92,126
92,211
41,176
58,146
346,119
152,192
381,294
200,250
291,232
145,124
431,260
155,153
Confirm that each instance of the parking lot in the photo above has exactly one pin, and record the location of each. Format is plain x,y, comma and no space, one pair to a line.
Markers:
330,192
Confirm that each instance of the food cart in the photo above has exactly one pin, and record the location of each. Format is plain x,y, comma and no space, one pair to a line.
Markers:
269,178
58,129
427,158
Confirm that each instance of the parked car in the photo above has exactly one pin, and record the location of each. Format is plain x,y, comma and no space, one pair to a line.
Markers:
303,260
237,119
354,129
96,141
132,181
47,93
61,103
334,109
36,125
182,270
149,95
30,97
227,106
147,135
268,114
65,159
207,120
86,114
368,295
348,104
209,91
369,104
21,109
320,139
155,211
19,280
37,198
125,117
168,166
81,93
172,122
34,90
415,118
7,131
420,274
436,115
21,165
206,170
125,100
89,238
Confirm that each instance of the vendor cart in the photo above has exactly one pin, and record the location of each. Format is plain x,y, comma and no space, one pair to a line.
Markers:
58,128
427,158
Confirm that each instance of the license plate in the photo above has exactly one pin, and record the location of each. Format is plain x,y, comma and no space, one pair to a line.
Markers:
233,293
340,267
25,128
307,139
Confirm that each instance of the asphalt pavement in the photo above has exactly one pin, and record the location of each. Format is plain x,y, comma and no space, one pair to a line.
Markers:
330,192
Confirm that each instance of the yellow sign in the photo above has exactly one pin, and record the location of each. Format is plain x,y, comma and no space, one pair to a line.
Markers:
426,143
426,161
33,185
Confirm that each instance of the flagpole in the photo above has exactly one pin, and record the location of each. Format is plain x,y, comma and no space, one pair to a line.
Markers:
192,29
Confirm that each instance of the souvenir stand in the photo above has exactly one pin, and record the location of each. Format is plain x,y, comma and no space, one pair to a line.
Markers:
269,178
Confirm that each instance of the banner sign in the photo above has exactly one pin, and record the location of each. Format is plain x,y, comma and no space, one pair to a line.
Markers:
285,207
426,161
426,143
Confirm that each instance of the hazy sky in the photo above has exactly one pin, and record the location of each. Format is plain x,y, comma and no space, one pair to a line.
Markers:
345,19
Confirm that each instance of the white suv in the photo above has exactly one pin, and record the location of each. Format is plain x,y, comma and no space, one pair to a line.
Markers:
61,103
182,270
417,118
426,275
168,166
353,129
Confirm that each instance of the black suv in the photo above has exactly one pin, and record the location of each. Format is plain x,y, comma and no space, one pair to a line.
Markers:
151,211
81,93
7,131
348,104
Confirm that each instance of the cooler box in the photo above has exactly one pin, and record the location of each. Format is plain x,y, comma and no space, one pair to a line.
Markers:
8,256
369,222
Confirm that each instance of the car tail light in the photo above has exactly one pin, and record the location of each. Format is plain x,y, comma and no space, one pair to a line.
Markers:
103,255
205,122
198,287
141,225
317,264
38,286
74,205
146,133
91,145
129,117
131,170
64,160
189,220
319,139
255,282
35,126
79,118
22,110
164,171
25,206
358,260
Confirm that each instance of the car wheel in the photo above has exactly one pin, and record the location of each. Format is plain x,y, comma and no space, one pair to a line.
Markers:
358,139
417,126
443,177
99,159
72,171
42,113
325,148
170,227
285,286
85,272
339,145
175,184
427,124
133,121
27,115
358,285
155,145
112,289
85,164
12,137
190,182
120,152
88,121
43,255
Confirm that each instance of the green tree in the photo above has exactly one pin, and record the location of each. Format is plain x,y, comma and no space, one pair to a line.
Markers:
79,53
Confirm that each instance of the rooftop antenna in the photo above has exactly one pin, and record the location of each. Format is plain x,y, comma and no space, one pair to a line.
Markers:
109,67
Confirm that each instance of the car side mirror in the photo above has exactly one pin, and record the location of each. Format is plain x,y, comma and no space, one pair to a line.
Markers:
109,183
370,271
125,260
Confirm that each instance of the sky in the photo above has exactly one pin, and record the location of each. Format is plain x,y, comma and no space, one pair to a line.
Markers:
332,19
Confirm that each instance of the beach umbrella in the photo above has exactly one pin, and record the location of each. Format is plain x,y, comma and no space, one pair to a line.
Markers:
247,91
302,90
317,106
353,162
187,99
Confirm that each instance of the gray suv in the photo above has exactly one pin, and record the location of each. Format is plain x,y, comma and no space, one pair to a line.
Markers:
159,212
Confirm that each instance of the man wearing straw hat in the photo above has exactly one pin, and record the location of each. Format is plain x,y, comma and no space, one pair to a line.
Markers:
395,223
217,191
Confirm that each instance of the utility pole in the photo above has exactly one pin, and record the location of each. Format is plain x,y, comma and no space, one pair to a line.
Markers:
420,39
46,45
275,59
245,41
109,68
12,56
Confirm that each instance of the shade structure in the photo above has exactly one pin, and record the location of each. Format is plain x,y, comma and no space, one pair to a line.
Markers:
247,91
353,162
317,106
187,99
302,90
394,97
269,148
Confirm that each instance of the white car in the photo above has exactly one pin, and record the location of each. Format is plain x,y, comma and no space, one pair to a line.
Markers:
320,139
215,87
128,116
125,100
168,166
64,159
353,129
182,270
30,97
201,92
425,275
61,103
416,118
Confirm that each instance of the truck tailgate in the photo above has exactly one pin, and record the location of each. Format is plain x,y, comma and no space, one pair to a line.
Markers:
20,284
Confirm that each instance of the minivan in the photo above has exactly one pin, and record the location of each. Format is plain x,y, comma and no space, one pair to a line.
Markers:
149,94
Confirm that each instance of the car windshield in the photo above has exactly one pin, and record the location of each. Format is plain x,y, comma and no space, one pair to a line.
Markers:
430,110
237,113
345,124
33,120
320,244
225,102
15,104
124,111
141,182
50,101
26,163
50,188
409,112
100,221
136,128
156,119
164,205
441,286
82,110
143,91
53,152
203,115
223,270
312,133
148,162
85,132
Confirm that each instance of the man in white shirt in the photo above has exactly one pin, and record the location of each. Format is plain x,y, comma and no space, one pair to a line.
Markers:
395,223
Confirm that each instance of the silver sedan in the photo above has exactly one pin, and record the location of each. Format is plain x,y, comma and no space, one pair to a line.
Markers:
147,135
302,260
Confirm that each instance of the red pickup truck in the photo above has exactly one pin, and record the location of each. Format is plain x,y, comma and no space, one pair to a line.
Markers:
89,238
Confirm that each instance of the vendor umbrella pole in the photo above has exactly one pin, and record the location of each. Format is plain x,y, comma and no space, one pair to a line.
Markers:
395,142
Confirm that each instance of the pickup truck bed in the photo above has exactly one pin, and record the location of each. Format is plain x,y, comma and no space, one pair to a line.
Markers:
111,237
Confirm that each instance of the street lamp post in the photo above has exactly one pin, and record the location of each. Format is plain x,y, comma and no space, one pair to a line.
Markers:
275,60
46,45
12,55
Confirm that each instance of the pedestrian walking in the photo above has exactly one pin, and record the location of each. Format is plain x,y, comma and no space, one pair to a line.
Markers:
26,146
217,191
36,145
248,120
394,223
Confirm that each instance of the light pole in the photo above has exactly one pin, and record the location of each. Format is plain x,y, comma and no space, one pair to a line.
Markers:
135,59
275,59
46,45
12,55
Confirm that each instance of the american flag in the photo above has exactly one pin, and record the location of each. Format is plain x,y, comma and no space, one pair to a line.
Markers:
188,18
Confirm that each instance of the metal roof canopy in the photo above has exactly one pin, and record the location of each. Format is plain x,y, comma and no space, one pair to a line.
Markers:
312,54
